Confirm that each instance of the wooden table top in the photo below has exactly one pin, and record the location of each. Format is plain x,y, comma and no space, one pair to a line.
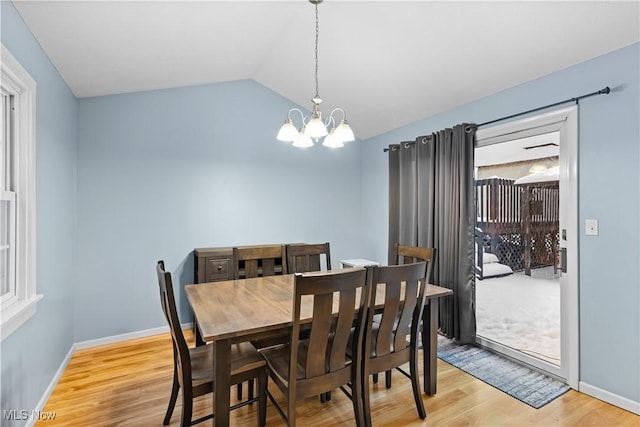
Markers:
238,308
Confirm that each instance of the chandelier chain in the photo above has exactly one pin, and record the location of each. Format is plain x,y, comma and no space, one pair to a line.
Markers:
317,36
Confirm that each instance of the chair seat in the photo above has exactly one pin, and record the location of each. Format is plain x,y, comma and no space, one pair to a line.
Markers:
244,358
278,359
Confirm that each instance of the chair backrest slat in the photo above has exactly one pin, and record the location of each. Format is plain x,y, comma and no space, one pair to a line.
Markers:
411,289
321,329
268,267
343,325
390,311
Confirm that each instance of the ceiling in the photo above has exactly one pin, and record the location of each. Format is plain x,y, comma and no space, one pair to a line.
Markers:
387,63
519,150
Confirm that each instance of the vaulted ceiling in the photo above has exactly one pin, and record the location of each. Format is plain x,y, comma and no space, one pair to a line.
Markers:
387,63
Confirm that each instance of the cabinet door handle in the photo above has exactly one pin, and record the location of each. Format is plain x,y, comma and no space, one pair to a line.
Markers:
219,268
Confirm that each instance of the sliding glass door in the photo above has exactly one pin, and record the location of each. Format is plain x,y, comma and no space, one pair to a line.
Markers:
526,294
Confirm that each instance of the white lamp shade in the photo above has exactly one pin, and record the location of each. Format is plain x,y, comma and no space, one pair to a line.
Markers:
332,140
287,132
315,128
344,132
302,140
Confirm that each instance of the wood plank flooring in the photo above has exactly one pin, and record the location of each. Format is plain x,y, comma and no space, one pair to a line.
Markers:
128,384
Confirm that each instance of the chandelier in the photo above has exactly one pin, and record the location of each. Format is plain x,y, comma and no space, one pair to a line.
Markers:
313,128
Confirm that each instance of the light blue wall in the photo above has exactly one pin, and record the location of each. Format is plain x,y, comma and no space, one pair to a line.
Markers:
32,354
610,192
163,172
125,180
609,186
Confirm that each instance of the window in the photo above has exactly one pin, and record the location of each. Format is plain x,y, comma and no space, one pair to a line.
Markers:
7,205
18,296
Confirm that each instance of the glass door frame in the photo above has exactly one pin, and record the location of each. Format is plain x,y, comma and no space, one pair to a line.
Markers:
564,121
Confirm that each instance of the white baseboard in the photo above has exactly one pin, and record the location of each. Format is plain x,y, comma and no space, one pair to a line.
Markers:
52,385
607,396
124,337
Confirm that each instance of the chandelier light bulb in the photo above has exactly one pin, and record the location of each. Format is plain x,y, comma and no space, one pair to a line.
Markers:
288,132
303,140
332,141
344,132
315,128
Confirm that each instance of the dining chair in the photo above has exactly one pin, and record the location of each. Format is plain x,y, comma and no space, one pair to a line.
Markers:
385,343
259,261
193,367
306,257
312,366
405,254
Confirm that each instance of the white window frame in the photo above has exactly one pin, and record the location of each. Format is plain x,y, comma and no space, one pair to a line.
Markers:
17,81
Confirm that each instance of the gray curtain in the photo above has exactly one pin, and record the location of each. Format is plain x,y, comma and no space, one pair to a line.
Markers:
431,204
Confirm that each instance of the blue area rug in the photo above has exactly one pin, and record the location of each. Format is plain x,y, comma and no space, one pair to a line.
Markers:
529,386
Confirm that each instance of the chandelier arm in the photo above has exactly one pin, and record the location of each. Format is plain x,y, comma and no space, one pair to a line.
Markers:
302,116
330,118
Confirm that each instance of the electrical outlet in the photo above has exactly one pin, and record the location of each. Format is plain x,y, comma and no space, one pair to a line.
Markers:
591,227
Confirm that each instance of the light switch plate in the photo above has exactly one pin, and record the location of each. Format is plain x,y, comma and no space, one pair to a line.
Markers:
591,227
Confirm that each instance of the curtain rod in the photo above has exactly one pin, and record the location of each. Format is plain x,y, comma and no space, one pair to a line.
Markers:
606,90
577,99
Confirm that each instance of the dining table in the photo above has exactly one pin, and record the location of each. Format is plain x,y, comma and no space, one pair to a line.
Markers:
232,311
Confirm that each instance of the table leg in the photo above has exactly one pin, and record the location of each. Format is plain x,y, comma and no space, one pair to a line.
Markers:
221,399
430,346
196,332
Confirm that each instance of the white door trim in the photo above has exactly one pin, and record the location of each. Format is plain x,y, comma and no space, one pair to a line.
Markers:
565,121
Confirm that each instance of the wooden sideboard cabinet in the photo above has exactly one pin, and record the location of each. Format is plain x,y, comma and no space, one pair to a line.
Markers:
213,264
216,264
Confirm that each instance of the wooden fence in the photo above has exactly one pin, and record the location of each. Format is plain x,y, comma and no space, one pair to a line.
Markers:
518,223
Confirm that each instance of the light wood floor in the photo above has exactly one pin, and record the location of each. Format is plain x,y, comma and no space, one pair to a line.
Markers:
128,384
